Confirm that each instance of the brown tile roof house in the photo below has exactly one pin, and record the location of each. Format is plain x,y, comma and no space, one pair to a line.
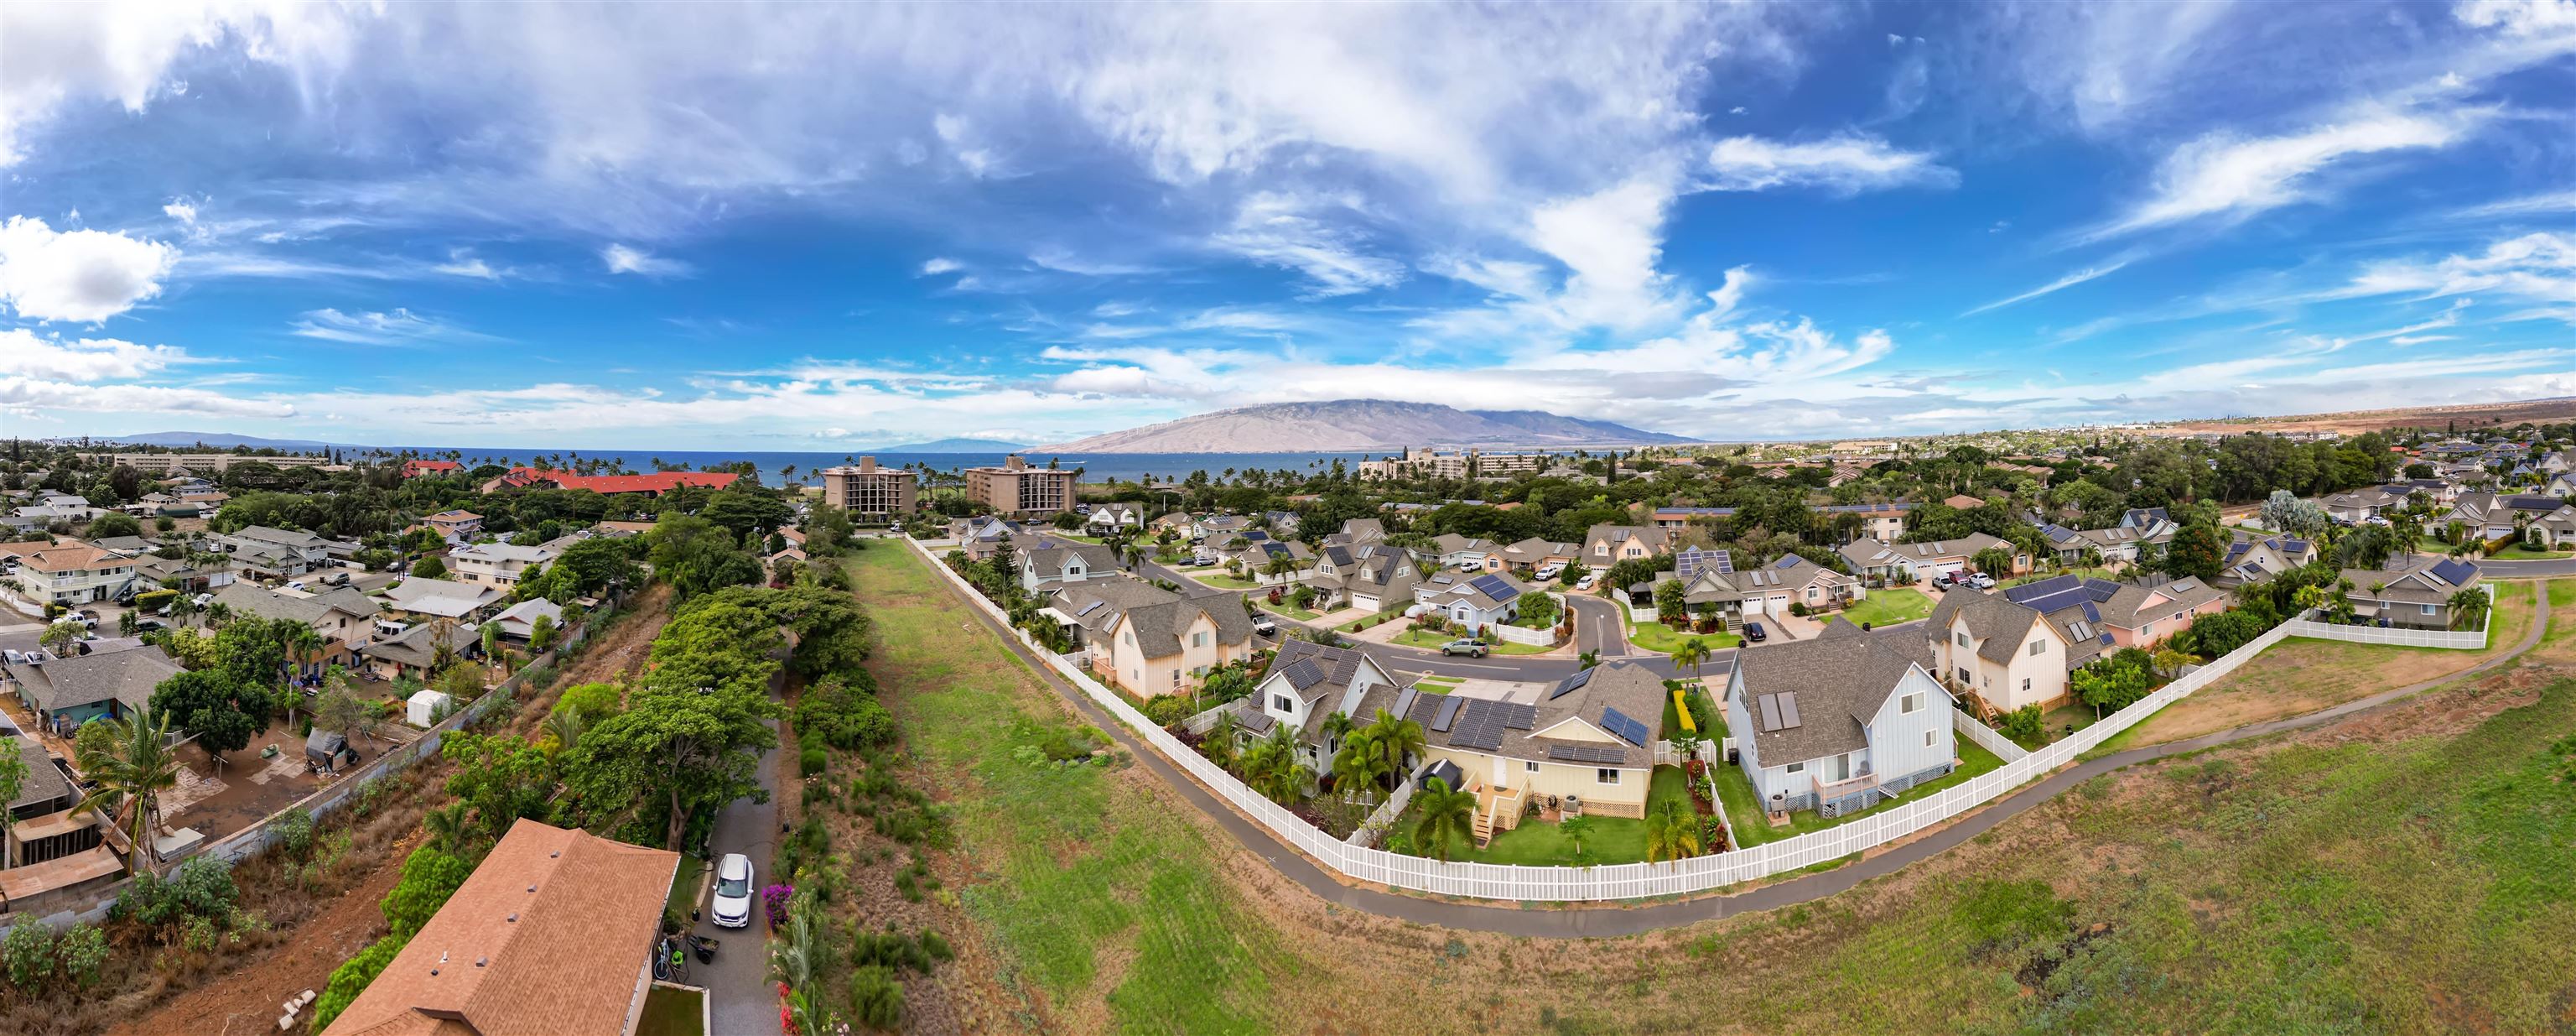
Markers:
552,934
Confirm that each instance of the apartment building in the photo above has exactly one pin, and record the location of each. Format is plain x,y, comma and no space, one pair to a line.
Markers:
69,572
866,489
1015,488
497,564
197,461
1421,461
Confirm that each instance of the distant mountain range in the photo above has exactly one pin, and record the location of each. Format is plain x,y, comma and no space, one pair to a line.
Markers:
220,441
1360,424
951,446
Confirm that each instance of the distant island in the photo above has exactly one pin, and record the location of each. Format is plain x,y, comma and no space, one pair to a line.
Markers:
1360,424
220,441
952,445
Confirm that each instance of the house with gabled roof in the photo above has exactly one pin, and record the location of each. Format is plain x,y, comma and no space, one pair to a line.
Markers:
1370,575
2360,504
1046,563
1534,553
67,692
1116,515
983,536
1878,563
2416,597
1477,602
1468,553
2142,615
2253,558
1607,545
1306,684
1838,723
1152,641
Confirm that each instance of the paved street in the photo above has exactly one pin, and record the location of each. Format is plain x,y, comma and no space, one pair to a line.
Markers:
2528,569
743,1001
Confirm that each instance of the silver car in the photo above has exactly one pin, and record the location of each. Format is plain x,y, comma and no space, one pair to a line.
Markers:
733,891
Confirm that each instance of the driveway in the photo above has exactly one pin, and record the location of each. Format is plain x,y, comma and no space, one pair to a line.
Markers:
1598,626
737,983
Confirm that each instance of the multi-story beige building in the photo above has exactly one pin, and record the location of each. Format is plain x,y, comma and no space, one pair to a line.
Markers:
1420,462
866,489
197,461
1015,488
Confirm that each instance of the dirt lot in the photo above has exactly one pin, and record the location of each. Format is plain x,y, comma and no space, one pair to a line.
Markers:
219,800
614,656
2355,422
2302,676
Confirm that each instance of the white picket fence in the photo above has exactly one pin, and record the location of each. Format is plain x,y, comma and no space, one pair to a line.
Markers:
1629,880
2464,640
1986,737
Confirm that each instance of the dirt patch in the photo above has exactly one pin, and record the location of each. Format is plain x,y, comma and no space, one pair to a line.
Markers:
249,999
612,657
2442,713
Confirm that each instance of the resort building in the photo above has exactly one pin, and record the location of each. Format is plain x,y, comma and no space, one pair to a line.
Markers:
1015,488
866,489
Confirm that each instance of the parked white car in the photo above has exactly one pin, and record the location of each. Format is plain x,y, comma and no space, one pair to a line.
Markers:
1547,572
1587,582
733,891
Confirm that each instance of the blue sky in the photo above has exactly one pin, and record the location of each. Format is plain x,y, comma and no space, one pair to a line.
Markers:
832,227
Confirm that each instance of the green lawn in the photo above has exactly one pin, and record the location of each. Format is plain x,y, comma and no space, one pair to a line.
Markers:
1428,639
684,885
1889,607
672,1012
1716,731
1664,640
2520,552
1217,578
1074,536
1291,611
2088,573
1613,839
1094,888
1744,814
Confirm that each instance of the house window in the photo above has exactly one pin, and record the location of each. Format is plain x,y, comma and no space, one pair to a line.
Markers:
1529,766
1605,776
1964,677
1927,737
1796,768
1963,638
1280,702
1198,640
2025,685
1910,704
2038,646
2428,609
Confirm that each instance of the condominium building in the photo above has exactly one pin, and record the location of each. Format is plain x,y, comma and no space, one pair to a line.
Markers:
867,489
198,461
1419,462
1017,488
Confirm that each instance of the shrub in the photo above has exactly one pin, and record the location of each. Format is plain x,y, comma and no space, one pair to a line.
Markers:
429,877
201,889
875,1000
28,955
845,713
81,955
293,830
888,949
2022,724
812,762
936,945
773,901
351,978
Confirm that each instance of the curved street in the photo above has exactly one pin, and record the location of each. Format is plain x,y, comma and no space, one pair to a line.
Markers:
1582,921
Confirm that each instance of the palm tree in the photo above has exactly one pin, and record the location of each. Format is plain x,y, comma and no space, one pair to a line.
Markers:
1576,829
1396,739
1338,726
1358,765
448,829
132,771
1271,767
564,726
1220,743
1445,816
1692,652
1671,832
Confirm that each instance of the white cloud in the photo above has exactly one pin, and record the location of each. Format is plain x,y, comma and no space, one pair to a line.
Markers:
2224,174
24,353
2540,267
979,162
1847,163
1300,234
82,276
937,266
462,262
2526,205
1064,260
56,55
395,327
42,394
2060,284
2525,18
180,209
629,259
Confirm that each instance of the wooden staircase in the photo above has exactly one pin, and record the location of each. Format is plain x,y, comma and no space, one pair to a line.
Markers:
1484,827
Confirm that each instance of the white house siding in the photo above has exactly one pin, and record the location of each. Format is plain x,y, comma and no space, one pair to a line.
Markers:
1896,738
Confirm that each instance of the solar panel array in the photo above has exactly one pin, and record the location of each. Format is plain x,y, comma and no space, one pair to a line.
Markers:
1479,726
1404,702
2455,572
1303,673
1519,715
1621,724
1587,753
1778,711
1447,715
1090,608
1690,562
1570,685
1496,587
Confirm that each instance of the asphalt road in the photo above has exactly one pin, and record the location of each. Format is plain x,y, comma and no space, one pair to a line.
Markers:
2528,569
1611,920
737,981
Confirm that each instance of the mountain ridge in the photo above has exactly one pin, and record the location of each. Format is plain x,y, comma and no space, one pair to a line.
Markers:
1360,424
952,444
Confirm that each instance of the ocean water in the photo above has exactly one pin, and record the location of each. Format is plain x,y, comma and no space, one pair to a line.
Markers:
1096,467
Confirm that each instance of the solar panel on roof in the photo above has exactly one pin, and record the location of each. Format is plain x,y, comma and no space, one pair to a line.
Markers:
1586,753
1090,608
1725,561
1480,726
1626,728
1448,714
1788,561
1404,701
1520,716
1770,712
1496,587
1570,685
2455,572
2091,613
1789,710
1304,673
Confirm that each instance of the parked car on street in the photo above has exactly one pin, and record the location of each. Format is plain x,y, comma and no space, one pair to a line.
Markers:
1469,647
1586,582
1753,632
1265,627
733,891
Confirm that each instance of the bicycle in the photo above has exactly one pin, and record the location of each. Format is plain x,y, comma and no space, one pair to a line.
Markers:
671,960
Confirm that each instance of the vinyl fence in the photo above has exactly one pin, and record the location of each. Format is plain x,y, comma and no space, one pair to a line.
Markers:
1630,880
1986,737
2468,640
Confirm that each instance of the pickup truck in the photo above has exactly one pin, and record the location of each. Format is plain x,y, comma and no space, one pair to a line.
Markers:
1470,648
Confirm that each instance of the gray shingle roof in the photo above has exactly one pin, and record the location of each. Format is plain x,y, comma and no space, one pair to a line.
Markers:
2002,624
1840,683
127,677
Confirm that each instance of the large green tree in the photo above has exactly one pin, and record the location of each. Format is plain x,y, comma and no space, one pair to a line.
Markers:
213,706
675,752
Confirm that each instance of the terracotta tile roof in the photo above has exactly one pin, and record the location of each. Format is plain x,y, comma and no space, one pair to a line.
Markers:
657,482
550,935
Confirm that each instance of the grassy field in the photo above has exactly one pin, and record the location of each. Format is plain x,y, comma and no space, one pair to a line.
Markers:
1103,895
1217,578
684,885
1613,839
1889,607
2300,676
672,1012
1664,640
1744,812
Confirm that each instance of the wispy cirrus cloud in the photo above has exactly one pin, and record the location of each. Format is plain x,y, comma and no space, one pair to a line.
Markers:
2088,273
621,258
1846,163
